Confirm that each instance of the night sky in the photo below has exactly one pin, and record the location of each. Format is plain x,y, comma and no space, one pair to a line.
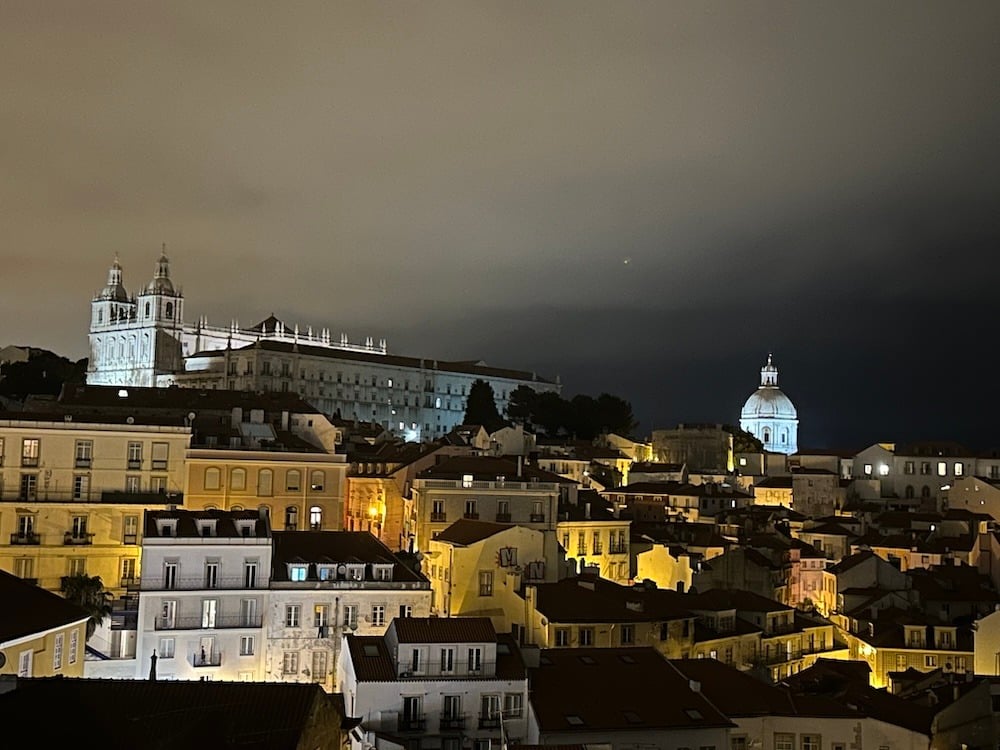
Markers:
468,180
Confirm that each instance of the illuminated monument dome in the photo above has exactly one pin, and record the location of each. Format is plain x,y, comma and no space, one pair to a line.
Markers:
142,340
769,415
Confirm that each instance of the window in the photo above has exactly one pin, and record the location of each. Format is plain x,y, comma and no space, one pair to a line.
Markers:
246,645
486,583
738,742
128,570
78,566
942,468
908,467
166,650
597,542
581,543
84,454
209,609
315,518
562,636
249,574
475,659
319,666
378,615
133,484
447,660
238,480
628,635
161,454
317,481
415,661
30,450
292,612
351,616
169,575
868,470
490,706
134,455
212,574
291,518
321,615
248,613
930,660
290,663
784,741
810,742
586,636
265,483
293,480
213,478
57,652
158,484
959,469
24,663
470,509
437,510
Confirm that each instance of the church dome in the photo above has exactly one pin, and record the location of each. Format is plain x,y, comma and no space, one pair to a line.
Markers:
768,401
769,414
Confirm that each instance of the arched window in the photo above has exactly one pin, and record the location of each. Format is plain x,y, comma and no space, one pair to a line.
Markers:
266,509
265,483
211,507
767,434
315,518
293,480
908,493
147,309
236,507
291,518
317,481
925,492
784,436
238,480
100,316
170,310
213,478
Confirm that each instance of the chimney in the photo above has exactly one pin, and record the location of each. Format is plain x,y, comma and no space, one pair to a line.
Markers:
695,686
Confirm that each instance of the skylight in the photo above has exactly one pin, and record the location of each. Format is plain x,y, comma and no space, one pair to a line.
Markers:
693,713
370,650
632,717
574,720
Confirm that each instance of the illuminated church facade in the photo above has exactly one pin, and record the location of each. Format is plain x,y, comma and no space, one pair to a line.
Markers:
769,414
143,340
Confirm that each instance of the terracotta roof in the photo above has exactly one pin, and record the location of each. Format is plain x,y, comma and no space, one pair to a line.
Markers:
28,609
166,714
328,547
443,630
629,707
466,531
593,599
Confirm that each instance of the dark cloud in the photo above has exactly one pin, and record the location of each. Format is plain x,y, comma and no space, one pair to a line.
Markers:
468,179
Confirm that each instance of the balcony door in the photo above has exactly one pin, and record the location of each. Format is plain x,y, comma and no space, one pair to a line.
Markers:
248,612
168,615
209,609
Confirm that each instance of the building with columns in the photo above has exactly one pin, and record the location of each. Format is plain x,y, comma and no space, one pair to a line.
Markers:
769,414
143,340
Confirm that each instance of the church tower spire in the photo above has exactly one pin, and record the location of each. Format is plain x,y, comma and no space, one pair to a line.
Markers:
769,374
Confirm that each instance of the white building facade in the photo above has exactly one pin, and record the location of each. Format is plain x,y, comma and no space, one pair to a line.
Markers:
769,414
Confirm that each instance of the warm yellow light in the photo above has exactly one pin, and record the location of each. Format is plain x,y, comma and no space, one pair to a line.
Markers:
373,511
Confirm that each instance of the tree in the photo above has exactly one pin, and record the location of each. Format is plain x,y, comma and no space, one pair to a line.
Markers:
43,373
520,405
481,408
88,593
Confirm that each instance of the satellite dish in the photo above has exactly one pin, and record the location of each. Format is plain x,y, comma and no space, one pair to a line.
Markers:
191,415
130,420
342,570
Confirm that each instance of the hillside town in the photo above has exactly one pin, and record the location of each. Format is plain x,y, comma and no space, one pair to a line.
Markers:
293,540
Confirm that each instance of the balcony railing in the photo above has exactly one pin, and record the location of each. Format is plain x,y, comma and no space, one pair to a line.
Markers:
203,659
439,517
130,539
193,583
471,516
25,537
451,721
503,517
459,671
82,463
617,549
129,582
134,464
506,485
29,462
489,722
71,538
537,518
412,723
197,622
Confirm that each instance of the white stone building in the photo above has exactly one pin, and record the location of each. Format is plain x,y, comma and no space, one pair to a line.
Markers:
143,339
202,595
769,414
325,584
451,683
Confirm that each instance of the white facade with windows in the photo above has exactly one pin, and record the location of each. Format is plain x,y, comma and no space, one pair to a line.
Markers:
143,340
203,594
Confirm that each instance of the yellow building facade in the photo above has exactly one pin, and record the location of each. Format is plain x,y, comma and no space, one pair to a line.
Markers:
603,545
72,494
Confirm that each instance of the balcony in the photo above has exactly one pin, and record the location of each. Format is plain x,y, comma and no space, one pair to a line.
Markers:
29,462
411,723
450,721
152,497
617,549
134,464
130,539
25,537
196,622
505,486
503,517
597,551
77,538
537,518
202,659
489,722
458,671
129,582
195,583
82,463
439,517
471,516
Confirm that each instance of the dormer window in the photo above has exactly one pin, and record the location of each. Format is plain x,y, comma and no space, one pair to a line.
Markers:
206,528
356,572
326,572
297,572
467,480
382,572
167,527
245,528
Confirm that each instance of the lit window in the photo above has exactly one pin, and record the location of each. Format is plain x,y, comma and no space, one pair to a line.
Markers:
467,480
883,469
959,469
868,470
942,468
298,572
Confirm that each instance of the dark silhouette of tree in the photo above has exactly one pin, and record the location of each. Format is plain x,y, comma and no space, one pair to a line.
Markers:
88,593
481,407
520,405
44,373
583,416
